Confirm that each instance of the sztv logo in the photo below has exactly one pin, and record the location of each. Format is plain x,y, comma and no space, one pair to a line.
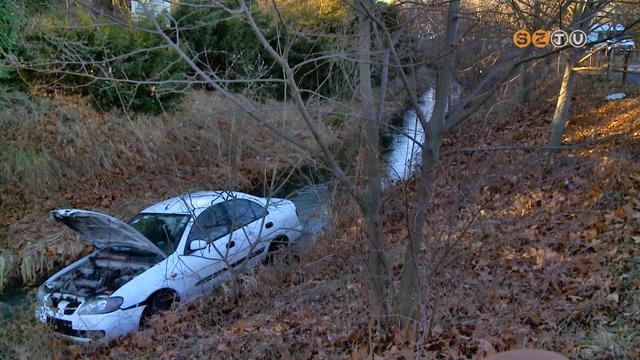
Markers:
542,38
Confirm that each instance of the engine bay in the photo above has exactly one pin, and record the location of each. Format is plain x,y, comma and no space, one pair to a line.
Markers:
101,274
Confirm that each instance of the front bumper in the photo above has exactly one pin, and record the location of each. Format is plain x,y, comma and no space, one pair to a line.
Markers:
90,328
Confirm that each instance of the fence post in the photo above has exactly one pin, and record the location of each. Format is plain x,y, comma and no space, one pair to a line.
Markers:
611,61
627,55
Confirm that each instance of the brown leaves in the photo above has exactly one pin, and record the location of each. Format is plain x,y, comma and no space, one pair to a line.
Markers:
542,257
544,264
535,320
143,338
485,348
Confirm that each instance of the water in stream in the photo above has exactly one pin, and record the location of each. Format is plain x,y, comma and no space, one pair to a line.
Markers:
312,199
403,153
401,156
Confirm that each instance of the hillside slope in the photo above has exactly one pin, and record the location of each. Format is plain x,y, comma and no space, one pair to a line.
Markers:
527,248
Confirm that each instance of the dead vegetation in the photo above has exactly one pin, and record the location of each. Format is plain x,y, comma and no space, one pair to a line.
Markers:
533,259
540,250
60,153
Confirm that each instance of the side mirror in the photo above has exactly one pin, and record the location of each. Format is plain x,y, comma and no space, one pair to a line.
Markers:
196,245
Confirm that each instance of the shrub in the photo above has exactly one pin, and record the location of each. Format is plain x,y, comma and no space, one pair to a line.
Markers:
118,65
155,64
11,18
223,44
115,66
226,44
312,15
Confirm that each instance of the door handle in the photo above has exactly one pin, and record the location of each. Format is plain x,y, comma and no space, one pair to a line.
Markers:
230,244
269,225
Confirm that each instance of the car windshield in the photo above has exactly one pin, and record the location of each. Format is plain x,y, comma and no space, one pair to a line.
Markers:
164,230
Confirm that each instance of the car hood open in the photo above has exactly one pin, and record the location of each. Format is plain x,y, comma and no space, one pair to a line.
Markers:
103,231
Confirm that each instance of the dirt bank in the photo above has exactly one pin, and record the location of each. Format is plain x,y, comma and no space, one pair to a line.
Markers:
541,252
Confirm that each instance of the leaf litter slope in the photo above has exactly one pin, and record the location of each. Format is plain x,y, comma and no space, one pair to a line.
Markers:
525,249
541,251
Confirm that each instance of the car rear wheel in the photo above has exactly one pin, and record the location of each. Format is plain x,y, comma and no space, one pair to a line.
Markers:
275,246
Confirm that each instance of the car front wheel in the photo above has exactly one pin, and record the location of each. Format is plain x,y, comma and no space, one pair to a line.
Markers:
157,303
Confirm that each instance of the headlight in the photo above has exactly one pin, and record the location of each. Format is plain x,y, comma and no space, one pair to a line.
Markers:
100,306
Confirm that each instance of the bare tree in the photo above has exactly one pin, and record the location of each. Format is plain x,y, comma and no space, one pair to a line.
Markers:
409,289
446,114
583,13
566,89
372,195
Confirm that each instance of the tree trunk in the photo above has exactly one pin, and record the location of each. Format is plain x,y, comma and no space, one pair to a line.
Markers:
527,85
582,10
383,90
564,102
528,72
371,170
409,292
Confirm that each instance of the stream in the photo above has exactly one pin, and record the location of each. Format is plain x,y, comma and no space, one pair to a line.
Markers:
401,155
311,193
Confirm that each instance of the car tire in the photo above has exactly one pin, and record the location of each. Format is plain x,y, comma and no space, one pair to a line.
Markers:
275,246
157,303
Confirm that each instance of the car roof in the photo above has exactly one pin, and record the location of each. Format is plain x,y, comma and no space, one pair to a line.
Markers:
607,27
195,202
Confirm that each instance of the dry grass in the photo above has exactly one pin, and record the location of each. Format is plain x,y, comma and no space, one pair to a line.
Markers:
545,263
550,259
61,153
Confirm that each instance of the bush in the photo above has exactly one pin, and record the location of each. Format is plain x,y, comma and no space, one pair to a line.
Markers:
11,18
155,65
118,66
228,46
115,66
225,45
219,42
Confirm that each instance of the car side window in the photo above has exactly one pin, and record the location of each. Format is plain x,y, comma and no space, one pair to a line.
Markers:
242,212
210,225
258,210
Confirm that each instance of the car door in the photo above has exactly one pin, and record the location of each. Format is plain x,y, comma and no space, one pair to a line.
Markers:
208,263
249,228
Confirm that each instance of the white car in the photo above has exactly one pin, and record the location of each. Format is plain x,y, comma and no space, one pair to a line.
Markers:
622,45
170,252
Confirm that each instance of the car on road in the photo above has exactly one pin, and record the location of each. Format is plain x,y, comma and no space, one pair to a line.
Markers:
622,45
613,35
168,254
